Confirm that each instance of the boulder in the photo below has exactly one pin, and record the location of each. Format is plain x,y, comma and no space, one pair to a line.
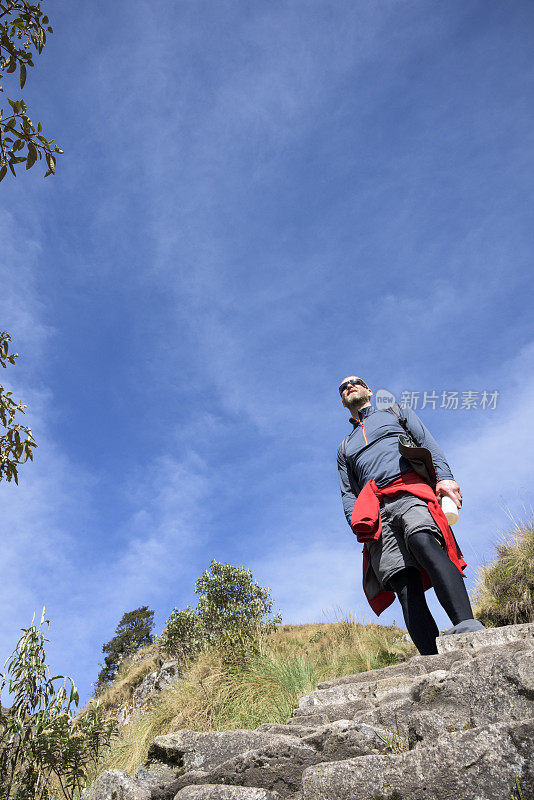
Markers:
114,784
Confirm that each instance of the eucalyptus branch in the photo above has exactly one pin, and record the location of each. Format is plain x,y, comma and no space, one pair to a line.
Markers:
23,29
17,442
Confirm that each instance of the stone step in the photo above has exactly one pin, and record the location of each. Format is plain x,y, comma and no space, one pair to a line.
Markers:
287,729
483,762
277,768
474,691
320,715
171,755
431,727
347,739
417,665
491,637
497,682
214,792
312,721
374,690
355,697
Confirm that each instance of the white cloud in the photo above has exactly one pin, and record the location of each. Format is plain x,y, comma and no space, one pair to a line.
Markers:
494,464
55,552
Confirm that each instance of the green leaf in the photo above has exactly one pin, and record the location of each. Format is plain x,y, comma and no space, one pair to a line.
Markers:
22,75
32,155
3,172
51,161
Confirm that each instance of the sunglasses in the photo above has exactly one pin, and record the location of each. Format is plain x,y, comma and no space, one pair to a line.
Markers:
352,382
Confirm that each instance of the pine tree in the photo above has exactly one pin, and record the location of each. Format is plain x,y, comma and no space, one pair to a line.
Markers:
133,632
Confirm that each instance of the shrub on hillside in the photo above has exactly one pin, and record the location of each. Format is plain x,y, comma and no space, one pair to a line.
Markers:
44,750
184,635
231,600
233,610
504,594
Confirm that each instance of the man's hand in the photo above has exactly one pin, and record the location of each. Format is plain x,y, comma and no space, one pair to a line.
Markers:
451,489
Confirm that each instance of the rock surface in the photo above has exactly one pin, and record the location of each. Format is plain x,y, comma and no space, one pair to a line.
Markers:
213,792
114,784
149,689
189,750
480,762
455,726
489,636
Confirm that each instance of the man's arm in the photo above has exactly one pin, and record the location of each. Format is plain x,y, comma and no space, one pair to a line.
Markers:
446,484
347,495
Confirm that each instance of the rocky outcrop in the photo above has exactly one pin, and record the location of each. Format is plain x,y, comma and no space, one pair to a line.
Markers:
149,689
455,726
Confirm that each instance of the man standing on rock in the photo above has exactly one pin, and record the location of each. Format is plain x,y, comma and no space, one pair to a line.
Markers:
408,544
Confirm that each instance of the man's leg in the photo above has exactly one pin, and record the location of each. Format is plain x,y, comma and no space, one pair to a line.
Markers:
408,586
446,578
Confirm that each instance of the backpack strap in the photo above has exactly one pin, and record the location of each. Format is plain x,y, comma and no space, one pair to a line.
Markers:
418,456
353,484
397,410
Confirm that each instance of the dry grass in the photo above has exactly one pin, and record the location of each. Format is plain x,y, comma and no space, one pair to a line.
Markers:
504,594
131,673
266,688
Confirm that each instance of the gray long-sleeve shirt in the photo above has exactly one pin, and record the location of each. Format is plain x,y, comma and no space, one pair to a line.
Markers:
373,452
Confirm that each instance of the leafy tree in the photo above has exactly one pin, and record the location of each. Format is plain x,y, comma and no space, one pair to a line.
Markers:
42,743
232,612
133,631
14,448
231,600
23,29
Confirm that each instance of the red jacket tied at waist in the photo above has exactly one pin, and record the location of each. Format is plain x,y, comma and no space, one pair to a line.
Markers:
367,525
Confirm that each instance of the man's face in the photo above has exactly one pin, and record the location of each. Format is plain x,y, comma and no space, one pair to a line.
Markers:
354,396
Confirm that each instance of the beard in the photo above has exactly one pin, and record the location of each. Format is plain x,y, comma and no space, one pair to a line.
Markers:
357,399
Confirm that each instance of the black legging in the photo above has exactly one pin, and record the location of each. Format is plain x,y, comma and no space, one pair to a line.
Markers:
448,585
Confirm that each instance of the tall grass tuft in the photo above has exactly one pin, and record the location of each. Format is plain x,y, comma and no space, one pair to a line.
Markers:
504,594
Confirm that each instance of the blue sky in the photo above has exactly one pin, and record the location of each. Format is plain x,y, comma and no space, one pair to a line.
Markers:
257,199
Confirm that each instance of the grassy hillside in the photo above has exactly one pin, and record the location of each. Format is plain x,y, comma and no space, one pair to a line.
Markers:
504,593
266,687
